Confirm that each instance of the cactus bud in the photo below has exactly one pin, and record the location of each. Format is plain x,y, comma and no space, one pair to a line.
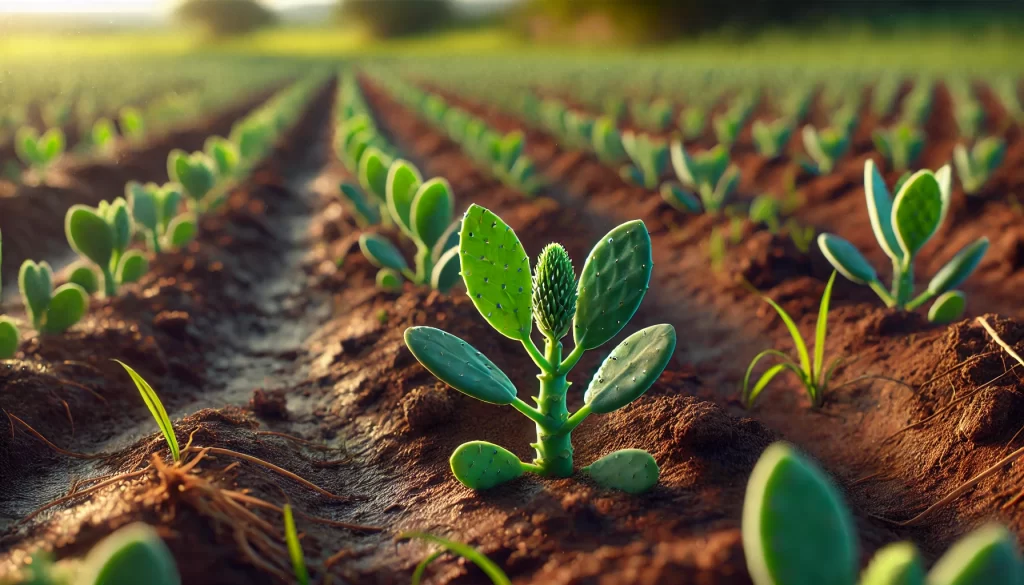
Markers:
554,292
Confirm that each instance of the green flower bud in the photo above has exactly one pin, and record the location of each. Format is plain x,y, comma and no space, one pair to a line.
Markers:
554,292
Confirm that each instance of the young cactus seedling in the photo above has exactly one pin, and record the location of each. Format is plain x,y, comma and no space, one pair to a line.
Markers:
654,116
728,125
366,213
824,147
155,211
770,138
195,173
902,227
901,145
614,280
976,166
707,180
50,311
133,125
9,336
606,141
649,156
797,530
814,375
102,235
692,121
39,152
423,211
102,135
224,154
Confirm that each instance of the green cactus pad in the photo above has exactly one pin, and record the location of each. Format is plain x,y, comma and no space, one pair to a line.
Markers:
84,276
432,210
447,272
368,214
460,365
120,221
796,528
554,292
389,280
373,173
880,210
381,252
896,564
680,199
959,267
9,338
916,212
613,283
948,307
195,173
986,556
135,554
497,272
403,180
480,465
68,306
633,471
846,259
35,281
143,198
89,234
131,267
170,203
181,230
448,240
631,368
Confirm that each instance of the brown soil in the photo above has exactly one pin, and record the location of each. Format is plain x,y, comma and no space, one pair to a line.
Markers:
270,322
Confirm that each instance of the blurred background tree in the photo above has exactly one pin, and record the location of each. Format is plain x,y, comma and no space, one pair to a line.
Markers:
396,18
222,18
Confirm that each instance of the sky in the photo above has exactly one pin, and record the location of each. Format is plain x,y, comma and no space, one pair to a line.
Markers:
120,6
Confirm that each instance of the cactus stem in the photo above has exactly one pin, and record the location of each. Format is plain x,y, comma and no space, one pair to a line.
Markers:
109,286
554,450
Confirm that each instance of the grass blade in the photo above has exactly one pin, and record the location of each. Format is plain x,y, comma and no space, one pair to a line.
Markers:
156,408
417,575
821,329
747,401
493,571
801,347
291,536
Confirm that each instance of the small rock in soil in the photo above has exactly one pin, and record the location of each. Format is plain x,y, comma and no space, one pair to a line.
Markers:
426,408
269,404
991,417
174,323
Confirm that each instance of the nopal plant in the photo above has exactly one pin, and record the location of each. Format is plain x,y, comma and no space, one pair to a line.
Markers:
39,152
975,166
196,174
50,311
423,212
595,308
824,147
102,235
902,227
9,336
901,145
770,138
155,210
224,154
649,157
707,180
797,530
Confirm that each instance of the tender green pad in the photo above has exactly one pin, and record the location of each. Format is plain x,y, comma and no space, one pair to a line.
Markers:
381,252
631,368
132,555
131,267
143,200
986,556
880,210
35,281
680,199
448,240
460,365
497,272
85,276
89,234
447,271
614,281
51,145
633,471
916,212
796,528
846,259
432,209
948,307
368,213
69,304
120,221
959,267
403,180
182,230
373,173
9,338
170,203
896,564
480,465
389,280
196,174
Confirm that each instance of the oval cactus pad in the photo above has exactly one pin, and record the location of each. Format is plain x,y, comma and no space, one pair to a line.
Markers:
460,365
497,272
613,282
633,471
480,465
796,528
631,369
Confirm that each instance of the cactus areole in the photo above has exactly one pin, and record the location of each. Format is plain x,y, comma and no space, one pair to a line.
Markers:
613,282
